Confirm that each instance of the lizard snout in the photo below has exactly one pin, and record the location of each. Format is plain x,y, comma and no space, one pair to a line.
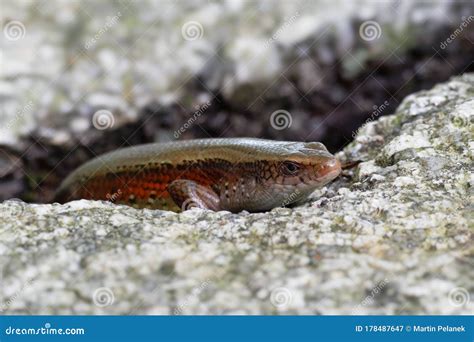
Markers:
329,170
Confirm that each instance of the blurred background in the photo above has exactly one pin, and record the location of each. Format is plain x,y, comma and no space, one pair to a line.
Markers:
79,78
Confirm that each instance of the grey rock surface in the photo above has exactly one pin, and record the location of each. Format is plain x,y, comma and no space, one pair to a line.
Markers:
62,62
395,236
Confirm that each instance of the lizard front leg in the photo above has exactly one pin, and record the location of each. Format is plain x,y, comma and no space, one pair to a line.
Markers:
188,194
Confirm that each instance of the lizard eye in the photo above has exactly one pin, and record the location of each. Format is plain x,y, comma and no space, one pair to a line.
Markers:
290,168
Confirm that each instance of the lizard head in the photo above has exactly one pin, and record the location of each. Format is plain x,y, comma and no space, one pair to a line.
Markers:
295,171
308,165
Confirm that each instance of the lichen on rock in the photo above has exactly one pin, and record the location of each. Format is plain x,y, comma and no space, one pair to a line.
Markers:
395,237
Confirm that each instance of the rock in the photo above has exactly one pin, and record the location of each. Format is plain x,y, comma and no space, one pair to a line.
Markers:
393,238
68,62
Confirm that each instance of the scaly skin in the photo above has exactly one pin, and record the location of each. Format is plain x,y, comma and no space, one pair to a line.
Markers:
218,174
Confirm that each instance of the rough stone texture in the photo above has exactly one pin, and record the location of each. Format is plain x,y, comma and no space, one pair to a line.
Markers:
62,61
395,237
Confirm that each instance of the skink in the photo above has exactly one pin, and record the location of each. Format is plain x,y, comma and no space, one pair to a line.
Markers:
218,174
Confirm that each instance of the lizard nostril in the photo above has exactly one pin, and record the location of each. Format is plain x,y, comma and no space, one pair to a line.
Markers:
331,168
331,163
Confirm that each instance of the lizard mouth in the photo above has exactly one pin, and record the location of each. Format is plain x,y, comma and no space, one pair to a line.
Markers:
329,170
